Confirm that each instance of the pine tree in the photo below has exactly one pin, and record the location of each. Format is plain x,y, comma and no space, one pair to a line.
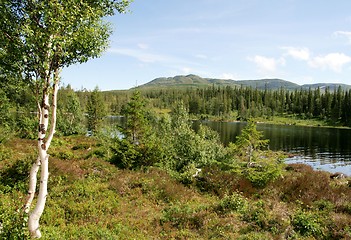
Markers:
96,111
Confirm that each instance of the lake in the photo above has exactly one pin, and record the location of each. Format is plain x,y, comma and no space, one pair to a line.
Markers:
323,148
326,149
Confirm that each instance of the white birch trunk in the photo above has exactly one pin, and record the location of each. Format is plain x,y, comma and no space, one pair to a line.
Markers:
32,184
34,216
43,159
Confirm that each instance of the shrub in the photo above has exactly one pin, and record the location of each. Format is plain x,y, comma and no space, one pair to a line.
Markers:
265,171
5,153
309,186
16,175
27,127
324,205
255,236
12,221
216,181
235,202
5,133
183,216
307,224
257,215
125,154
65,155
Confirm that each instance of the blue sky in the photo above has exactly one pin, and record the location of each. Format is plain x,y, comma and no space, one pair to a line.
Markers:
302,41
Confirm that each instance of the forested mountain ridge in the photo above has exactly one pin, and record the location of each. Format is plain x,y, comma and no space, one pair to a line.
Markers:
323,86
271,84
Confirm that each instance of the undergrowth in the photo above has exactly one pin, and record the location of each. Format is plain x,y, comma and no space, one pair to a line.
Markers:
89,198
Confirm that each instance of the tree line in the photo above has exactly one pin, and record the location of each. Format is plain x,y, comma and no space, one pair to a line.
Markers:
249,102
242,103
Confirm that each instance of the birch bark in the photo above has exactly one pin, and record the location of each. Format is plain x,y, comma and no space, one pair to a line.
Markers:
43,158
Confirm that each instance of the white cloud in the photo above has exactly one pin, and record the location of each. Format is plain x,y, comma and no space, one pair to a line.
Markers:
266,64
227,76
139,54
333,61
344,33
201,56
298,53
186,70
143,46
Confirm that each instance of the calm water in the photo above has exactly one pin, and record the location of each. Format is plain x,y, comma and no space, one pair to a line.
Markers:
327,149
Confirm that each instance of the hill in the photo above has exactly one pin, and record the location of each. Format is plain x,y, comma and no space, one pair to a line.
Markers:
197,81
323,86
187,81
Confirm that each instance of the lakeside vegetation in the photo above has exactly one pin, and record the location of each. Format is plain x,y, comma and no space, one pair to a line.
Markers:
148,184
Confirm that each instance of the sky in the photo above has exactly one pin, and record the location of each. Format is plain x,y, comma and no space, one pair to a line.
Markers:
301,41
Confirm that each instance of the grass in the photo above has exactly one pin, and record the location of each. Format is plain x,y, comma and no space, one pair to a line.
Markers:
286,119
91,199
296,120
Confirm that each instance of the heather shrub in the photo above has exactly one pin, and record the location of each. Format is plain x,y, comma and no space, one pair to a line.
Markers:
15,176
12,220
308,186
235,202
216,181
183,216
255,236
308,224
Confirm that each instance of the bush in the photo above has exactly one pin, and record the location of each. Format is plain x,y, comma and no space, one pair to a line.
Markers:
254,236
183,217
12,221
125,154
235,202
185,150
15,176
307,224
27,127
265,171
257,215
67,155
5,153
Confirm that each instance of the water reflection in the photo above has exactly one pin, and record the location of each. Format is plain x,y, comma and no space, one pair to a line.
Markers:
327,149
323,148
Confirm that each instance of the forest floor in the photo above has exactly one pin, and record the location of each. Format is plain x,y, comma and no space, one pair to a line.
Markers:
89,198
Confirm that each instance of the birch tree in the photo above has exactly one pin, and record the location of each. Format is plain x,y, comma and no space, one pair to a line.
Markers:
39,38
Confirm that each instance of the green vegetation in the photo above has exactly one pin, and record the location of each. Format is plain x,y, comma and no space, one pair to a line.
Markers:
38,39
92,199
96,111
155,177
162,180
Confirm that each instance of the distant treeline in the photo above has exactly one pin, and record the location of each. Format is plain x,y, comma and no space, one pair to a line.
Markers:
245,102
223,102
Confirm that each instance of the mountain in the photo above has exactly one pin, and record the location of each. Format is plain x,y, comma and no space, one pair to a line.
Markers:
323,86
197,81
187,81
269,84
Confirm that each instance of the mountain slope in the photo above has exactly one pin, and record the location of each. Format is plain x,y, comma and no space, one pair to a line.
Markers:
323,86
196,81
269,84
